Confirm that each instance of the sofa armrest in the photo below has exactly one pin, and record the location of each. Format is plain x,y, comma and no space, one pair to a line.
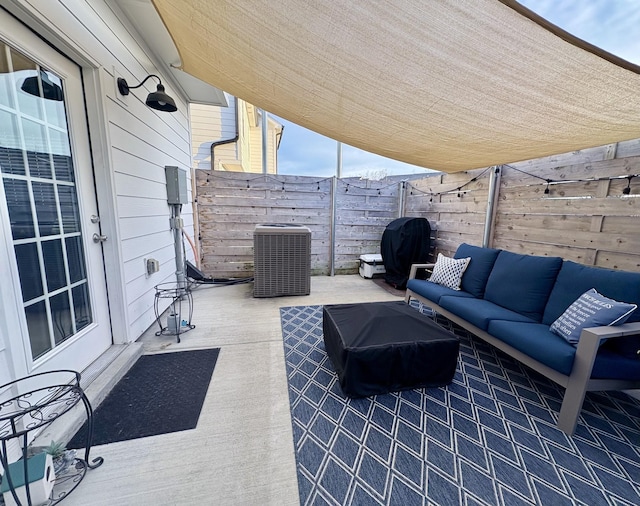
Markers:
415,267
591,338
587,349
626,329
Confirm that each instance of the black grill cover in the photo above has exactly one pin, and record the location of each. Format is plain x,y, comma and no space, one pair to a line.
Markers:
405,241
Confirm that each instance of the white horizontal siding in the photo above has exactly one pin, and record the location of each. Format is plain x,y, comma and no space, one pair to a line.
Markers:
142,142
255,154
211,124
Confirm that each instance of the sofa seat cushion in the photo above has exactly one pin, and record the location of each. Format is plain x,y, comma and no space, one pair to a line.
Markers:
479,312
433,291
522,283
575,279
477,273
538,342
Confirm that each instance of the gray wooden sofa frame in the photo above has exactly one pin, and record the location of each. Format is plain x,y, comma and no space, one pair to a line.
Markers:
577,383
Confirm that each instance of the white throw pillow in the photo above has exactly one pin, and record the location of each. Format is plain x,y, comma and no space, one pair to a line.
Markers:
448,271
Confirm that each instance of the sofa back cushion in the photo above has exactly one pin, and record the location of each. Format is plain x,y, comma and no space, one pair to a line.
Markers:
474,279
522,283
575,279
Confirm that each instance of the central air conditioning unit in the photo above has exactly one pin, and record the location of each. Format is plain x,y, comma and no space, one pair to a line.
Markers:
282,260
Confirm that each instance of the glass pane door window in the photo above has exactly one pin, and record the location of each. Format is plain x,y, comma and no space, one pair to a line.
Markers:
37,172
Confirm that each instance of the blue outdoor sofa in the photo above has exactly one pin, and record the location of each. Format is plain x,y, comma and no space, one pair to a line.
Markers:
511,300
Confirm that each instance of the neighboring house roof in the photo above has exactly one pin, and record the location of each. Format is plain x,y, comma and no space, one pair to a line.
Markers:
445,85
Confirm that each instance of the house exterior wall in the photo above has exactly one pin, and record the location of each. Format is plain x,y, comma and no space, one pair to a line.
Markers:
209,124
256,146
246,119
131,144
212,124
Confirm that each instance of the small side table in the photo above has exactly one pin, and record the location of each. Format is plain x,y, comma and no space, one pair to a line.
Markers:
36,401
180,309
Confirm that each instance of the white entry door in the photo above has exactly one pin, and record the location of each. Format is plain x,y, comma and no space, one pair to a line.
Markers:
48,208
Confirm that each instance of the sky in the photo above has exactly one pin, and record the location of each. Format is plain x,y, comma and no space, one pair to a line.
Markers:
613,25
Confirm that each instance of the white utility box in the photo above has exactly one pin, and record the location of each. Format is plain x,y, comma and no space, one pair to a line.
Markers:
370,265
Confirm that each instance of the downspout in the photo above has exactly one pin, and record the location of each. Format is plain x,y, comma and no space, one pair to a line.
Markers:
227,141
278,141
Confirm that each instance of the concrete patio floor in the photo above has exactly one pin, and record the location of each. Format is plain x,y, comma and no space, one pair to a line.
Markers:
241,452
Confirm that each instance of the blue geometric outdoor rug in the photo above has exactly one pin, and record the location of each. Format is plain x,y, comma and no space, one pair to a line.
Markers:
489,438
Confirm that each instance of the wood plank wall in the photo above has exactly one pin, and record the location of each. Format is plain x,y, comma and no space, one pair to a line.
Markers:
585,217
364,209
454,204
231,204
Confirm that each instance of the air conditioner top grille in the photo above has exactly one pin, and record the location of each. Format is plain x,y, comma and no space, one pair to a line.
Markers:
281,228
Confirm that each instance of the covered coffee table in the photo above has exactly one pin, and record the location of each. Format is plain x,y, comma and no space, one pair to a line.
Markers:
380,347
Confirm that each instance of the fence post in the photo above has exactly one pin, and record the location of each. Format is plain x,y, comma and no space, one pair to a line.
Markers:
492,198
401,198
332,240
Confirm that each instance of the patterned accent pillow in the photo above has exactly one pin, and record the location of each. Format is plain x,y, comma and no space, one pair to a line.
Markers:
591,309
448,271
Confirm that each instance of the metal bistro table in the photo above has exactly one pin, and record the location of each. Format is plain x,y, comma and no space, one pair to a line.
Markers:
35,402
180,308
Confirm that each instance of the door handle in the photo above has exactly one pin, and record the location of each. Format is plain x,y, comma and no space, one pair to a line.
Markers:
99,238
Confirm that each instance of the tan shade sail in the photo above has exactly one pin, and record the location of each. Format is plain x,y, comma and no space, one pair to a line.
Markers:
445,84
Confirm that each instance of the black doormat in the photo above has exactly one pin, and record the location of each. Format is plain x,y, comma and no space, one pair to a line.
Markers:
160,394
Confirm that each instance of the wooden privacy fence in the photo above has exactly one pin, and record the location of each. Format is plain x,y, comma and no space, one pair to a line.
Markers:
578,211
231,204
586,215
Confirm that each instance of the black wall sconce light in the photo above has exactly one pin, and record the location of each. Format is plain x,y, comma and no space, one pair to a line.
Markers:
158,99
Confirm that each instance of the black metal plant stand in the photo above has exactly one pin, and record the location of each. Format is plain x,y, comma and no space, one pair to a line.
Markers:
180,309
37,401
